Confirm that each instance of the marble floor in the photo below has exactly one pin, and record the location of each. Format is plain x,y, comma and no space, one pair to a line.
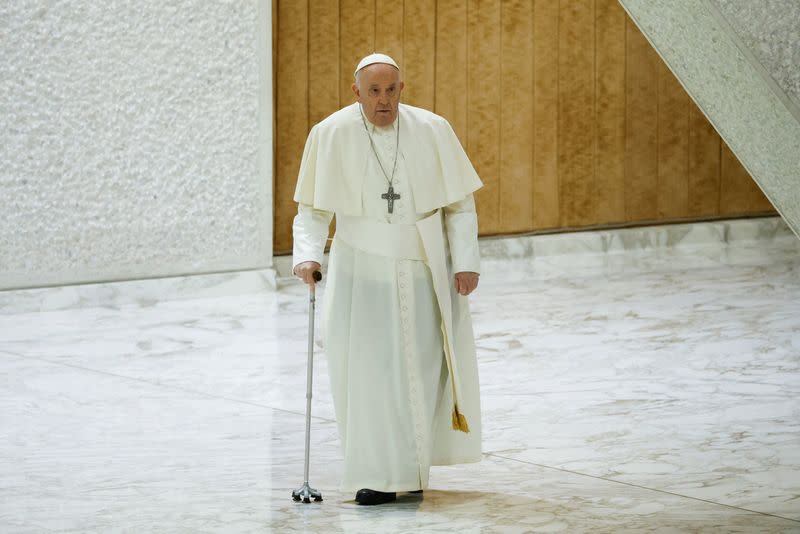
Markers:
653,390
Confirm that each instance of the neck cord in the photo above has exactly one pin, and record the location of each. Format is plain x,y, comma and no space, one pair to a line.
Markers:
372,144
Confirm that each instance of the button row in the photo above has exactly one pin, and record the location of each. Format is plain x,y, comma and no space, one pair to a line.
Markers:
409,351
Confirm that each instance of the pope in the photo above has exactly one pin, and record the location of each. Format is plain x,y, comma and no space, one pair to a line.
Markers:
396,322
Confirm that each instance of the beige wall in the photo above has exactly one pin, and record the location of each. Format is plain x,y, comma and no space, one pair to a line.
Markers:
568,114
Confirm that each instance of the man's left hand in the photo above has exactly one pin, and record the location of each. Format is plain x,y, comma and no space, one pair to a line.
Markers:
466,282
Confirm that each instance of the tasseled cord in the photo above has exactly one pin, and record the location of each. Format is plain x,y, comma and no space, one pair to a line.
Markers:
459,421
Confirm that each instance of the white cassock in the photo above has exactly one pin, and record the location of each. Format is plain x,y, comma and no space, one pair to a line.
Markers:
398,336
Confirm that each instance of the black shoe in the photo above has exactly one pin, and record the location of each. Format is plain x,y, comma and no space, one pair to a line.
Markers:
369,497
416,491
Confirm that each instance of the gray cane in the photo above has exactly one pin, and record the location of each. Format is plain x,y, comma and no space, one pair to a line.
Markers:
306,492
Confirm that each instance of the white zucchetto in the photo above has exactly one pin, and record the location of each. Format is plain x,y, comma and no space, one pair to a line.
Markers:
375,58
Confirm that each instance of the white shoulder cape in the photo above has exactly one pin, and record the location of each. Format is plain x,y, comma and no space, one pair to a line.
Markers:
334,162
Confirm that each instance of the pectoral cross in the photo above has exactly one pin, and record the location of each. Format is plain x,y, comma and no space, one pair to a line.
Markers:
390,197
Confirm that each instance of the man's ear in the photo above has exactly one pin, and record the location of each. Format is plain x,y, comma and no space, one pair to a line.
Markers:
354,87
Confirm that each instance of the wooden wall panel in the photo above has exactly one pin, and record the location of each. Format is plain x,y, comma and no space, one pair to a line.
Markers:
483,107
734,192
759,203
609,157
291,115
576,112
515,193
673,146
739,194
641,116
546,211
356,40
566,111
389,29
323,59
450,91
704,165
419,38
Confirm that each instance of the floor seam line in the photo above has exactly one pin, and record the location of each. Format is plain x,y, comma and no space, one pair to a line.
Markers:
494,455
176,388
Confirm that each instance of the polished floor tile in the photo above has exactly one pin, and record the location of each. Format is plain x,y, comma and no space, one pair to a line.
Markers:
638,391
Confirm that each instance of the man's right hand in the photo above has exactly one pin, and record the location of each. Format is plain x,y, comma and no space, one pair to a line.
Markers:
305,271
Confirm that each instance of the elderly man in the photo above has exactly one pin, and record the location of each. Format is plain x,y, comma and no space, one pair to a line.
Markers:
396,320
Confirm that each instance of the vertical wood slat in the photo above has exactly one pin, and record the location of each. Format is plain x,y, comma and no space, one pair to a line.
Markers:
673,146
323,59
450,95
356,40
760,202
641,144
739,194
483,107
389,29
576,112
704,165
609,112
733,193
419,34
323,62
546,213
291,113
516,117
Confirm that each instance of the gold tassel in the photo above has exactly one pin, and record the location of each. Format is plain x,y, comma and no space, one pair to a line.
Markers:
459,421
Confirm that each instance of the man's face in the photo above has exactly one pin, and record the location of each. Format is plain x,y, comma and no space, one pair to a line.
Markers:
378,90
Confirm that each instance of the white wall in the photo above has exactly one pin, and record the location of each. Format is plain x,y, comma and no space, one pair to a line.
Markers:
734,90
135,139
771,32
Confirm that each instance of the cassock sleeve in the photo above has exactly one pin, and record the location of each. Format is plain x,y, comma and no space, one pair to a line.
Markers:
306,178
461,224
310,232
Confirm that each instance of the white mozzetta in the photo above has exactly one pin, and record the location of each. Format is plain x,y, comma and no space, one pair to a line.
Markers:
133,140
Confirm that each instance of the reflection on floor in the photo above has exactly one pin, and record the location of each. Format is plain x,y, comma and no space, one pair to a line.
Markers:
634,391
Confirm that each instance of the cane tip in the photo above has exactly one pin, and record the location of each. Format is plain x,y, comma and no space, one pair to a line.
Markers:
317,276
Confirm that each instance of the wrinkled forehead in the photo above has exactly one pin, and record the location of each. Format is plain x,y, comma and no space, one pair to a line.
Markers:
379,74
